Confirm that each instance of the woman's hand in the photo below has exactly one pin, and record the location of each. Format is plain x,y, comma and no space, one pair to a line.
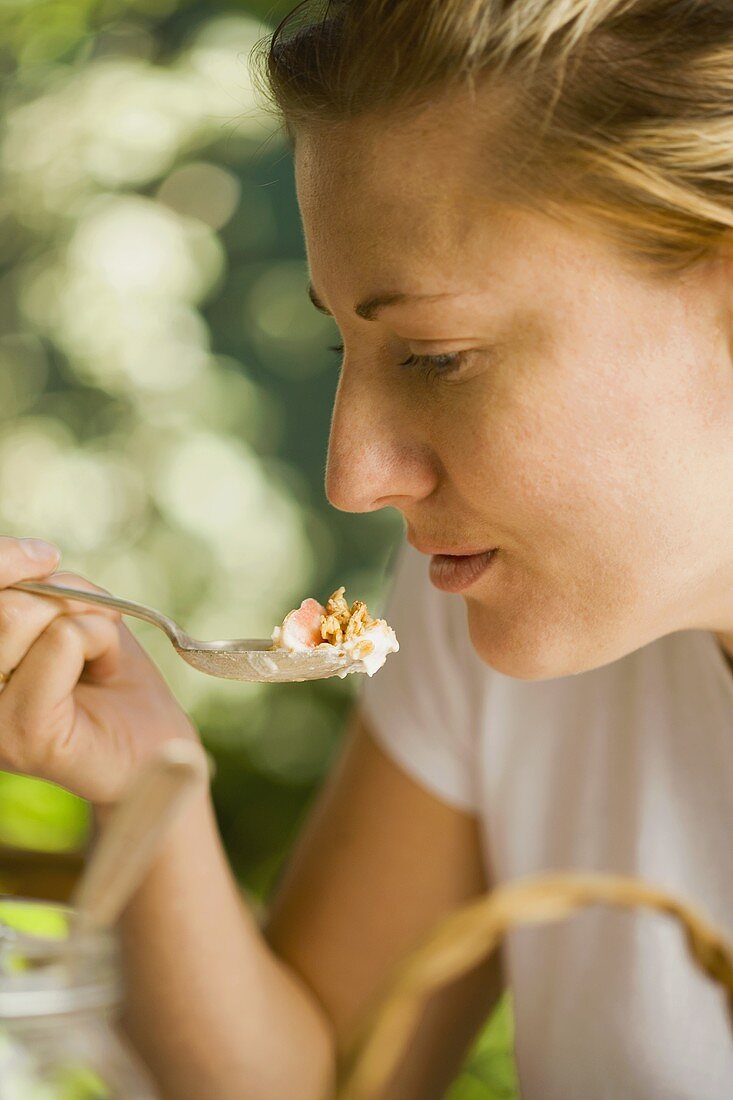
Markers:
84,705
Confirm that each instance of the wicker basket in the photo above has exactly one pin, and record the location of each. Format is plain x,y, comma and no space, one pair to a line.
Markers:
464,938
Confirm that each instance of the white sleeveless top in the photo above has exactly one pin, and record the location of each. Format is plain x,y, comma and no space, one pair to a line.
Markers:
628,769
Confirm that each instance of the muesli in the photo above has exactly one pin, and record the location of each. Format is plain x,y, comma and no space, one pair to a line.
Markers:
350,629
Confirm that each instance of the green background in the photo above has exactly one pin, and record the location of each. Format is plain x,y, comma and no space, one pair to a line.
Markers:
165,389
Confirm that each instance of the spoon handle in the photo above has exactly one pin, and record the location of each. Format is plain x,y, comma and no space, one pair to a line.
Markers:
127,607
130,839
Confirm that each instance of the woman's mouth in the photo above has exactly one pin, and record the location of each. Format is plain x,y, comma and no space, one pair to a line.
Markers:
456,572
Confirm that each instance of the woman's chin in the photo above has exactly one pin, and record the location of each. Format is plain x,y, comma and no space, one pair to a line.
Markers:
524,650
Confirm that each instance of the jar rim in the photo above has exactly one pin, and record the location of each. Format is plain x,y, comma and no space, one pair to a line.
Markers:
59,972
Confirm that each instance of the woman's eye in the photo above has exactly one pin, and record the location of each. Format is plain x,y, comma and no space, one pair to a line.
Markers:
430,364
436,364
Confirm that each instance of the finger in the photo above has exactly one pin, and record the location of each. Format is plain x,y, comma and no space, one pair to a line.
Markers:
42,686
78,607
51,669
25,559
22,619
24,616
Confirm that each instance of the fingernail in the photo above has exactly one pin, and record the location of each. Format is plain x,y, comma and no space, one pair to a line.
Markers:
39,550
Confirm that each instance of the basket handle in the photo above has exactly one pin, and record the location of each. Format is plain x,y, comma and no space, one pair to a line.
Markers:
461,940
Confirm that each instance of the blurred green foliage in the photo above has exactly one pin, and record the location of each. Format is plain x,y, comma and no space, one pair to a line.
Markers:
39,815
165,388
489,1072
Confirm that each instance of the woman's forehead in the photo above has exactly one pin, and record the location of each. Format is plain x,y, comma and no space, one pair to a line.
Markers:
394,225
359,200
395,172
501,258
381,213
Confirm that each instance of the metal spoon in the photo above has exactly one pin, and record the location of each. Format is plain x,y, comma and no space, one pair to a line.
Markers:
248,659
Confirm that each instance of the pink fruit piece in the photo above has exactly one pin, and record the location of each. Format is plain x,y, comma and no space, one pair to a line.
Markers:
301,629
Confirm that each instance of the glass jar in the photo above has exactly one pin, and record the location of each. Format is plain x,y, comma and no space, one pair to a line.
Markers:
58,1001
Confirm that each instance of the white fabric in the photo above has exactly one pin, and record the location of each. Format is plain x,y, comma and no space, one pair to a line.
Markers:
627,769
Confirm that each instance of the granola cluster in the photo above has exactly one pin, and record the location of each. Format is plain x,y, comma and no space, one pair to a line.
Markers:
362,642
342,623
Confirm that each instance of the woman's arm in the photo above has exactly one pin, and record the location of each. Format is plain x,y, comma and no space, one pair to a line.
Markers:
218,1010
379,863
209,1007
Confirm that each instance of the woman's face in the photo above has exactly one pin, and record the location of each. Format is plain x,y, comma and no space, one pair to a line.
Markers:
585,431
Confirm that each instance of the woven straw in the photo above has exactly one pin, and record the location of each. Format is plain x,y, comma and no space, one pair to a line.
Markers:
463,939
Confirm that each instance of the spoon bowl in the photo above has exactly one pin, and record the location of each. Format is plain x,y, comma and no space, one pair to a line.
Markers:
253,659
249,659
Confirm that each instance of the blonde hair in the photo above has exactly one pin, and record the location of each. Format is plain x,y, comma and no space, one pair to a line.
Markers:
622,109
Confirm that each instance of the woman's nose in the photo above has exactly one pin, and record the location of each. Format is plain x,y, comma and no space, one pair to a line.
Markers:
375,459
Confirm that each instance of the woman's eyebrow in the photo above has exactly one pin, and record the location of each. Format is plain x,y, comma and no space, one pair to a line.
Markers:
370,307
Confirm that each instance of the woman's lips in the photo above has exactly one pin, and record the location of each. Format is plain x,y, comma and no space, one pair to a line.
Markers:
454,573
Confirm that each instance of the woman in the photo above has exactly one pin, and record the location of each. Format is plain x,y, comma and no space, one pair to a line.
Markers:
518,214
